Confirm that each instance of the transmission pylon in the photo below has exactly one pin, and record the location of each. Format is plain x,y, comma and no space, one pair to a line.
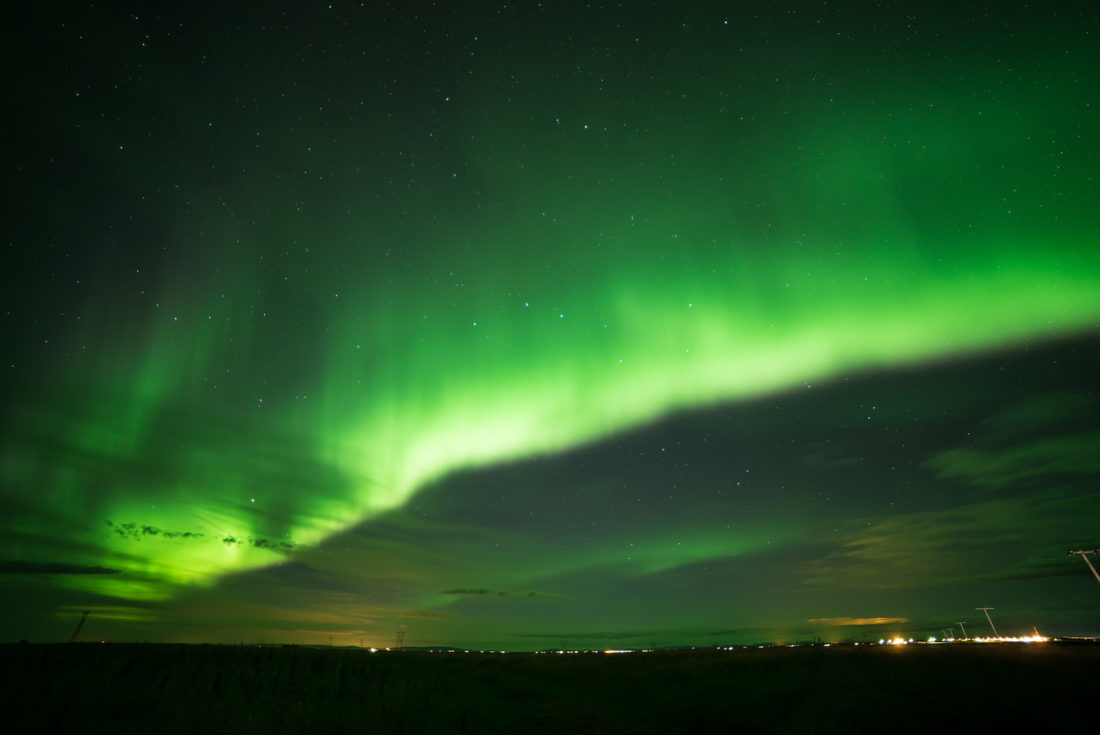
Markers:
991,625
79,625
1084,554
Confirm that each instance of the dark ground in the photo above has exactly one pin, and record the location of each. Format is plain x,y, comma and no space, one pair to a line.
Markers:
122,688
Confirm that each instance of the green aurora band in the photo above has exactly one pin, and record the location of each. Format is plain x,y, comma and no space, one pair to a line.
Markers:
318,334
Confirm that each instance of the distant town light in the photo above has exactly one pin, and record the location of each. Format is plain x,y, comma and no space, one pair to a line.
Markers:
1013,639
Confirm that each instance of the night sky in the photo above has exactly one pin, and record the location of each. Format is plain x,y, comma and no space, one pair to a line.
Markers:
549,324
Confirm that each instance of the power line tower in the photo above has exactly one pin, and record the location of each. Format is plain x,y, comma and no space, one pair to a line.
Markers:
1084,554
991,625
962,625
399,640
79,626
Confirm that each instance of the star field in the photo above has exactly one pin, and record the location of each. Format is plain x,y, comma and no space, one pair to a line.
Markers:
548,320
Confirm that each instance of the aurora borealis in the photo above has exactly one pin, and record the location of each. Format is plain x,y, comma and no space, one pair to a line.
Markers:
549,322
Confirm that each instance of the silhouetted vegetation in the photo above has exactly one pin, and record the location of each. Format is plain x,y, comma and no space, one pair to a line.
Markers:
248,689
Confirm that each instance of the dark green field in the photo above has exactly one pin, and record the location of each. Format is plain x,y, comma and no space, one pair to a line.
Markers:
208,689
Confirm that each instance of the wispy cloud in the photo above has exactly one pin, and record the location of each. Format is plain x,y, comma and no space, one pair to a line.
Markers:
478,591
1038,413
1021,464
34,567
843,622
951,545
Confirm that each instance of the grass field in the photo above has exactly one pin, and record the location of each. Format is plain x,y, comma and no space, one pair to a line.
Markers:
124,688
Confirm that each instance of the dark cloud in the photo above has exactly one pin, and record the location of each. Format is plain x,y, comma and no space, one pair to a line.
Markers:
136,532
259,543
264,543
182,534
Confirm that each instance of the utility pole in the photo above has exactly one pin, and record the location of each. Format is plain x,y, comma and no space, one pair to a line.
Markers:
991,625
79,626
962,624
1084,554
